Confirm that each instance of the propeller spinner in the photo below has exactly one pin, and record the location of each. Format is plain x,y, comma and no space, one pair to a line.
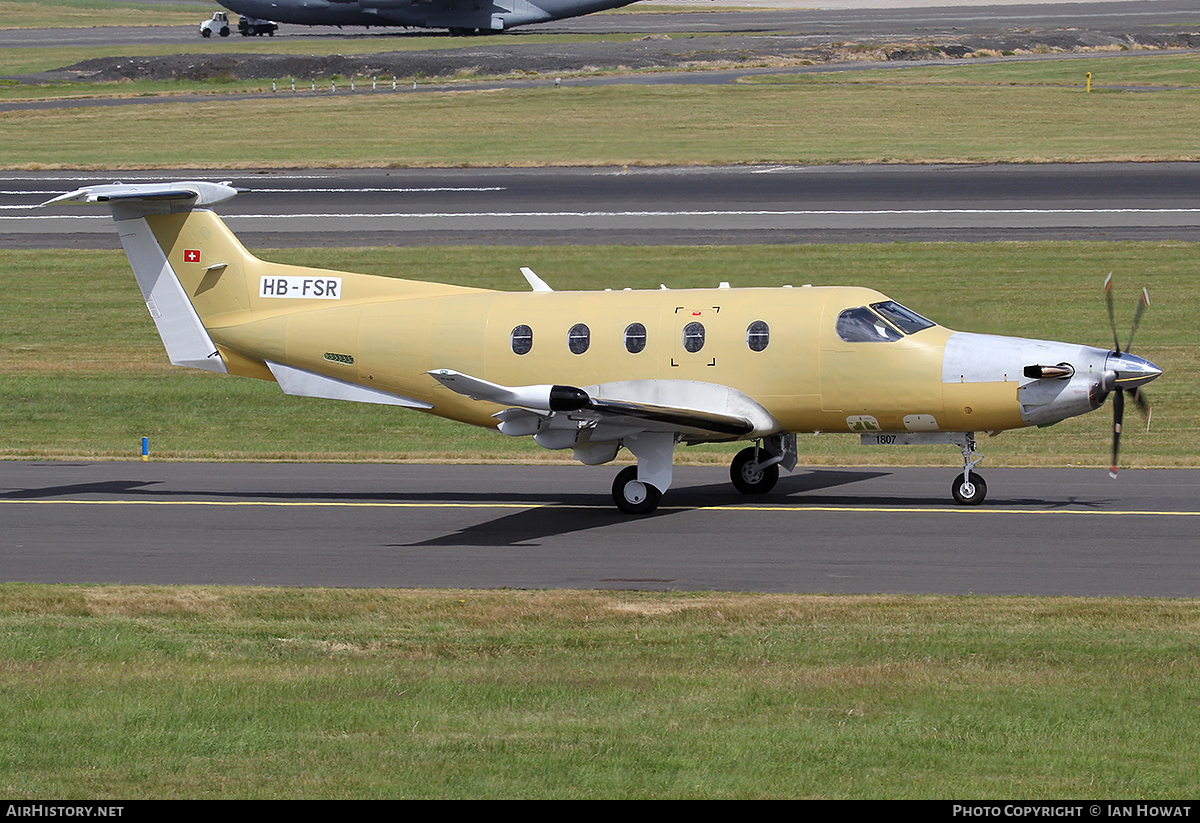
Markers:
1125,373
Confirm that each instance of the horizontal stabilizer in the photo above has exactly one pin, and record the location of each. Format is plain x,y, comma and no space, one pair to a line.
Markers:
157,197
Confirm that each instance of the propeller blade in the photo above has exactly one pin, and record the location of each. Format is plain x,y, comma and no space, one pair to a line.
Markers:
1143,405
1118,415
1137,317
1112,321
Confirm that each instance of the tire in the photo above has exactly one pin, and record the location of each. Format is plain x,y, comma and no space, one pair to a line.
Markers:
748,477
633,496
205,33
224,32
969,494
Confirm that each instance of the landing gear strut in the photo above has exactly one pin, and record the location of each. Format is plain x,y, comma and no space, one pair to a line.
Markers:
968,488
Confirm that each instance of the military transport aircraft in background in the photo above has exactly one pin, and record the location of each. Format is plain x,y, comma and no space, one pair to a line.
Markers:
461,17
598,371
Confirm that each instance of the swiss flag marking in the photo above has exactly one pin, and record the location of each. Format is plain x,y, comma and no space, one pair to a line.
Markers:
191,255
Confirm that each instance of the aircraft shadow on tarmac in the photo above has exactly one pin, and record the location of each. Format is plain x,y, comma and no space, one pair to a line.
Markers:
532,524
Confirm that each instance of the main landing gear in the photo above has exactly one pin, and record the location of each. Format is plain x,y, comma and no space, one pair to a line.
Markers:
754,470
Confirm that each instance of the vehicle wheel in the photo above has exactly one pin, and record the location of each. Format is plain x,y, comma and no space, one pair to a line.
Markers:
205,33
631,495
224,32
748,477
969,494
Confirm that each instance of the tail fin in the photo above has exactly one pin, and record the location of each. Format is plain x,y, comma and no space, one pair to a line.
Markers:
166,204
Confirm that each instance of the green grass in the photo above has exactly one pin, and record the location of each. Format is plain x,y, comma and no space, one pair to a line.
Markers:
85,375
671,124
133,692
1132,69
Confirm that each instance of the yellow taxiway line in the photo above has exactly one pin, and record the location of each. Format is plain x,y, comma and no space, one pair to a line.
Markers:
723,508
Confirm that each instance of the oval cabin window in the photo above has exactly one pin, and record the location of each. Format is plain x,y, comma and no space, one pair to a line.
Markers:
579,338
758,335
635,338
521,339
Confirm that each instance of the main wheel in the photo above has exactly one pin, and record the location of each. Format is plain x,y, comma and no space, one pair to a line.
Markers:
749,477
633,496
969,493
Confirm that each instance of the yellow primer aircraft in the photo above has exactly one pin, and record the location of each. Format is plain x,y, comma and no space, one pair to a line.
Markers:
598,371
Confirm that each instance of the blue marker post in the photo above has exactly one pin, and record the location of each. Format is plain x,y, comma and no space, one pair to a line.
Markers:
145,449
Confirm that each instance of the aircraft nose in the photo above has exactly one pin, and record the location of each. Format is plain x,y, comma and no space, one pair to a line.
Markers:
1132,371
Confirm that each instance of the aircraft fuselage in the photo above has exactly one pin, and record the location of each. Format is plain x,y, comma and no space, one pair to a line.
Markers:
780,346
493,15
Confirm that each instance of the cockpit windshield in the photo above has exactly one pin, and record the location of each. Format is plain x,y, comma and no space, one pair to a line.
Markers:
883,322
905,319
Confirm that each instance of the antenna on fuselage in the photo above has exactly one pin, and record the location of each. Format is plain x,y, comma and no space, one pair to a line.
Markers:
536,283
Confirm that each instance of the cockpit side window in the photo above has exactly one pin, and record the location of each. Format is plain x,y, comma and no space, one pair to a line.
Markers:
861,325
903,318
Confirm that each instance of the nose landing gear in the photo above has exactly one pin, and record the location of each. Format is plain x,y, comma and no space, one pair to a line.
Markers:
968,488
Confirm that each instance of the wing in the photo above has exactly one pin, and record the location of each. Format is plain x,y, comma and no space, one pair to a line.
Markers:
598,418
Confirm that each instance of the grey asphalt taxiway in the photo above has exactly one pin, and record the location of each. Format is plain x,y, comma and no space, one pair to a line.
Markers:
1040,532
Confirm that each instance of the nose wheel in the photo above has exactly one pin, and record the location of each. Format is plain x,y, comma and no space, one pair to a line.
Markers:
969,491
